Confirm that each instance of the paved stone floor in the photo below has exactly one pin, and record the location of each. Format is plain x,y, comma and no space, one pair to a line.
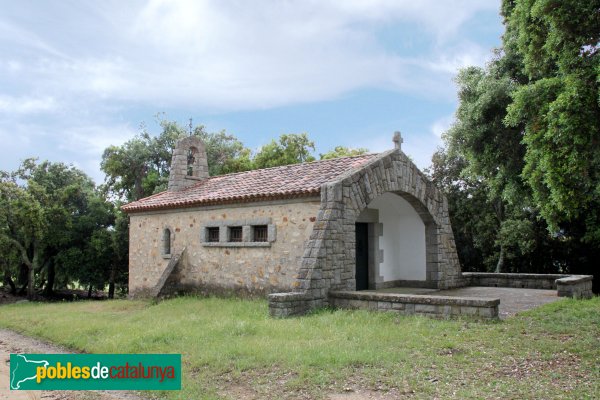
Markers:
512,300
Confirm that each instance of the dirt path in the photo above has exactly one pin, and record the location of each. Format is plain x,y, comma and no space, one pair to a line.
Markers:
11,342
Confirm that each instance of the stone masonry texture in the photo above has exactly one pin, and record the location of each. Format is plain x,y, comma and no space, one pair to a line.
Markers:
247,269
328,262
433,306
311,246
178,177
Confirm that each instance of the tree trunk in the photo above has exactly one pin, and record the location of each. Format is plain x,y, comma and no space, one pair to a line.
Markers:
111,281
8,281
90,292
500,265
23,273
138,184
499,208
30,283
23,278
49,289
35,262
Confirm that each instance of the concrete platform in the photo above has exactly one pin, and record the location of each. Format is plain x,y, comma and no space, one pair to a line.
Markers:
512,300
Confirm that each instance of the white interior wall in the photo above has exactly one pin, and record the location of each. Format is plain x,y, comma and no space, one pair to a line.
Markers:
403,240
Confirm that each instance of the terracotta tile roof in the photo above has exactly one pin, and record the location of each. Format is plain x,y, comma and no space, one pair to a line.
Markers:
290,181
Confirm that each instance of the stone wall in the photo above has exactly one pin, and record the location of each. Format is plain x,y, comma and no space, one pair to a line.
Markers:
252,268
314,249
432,306
165,283
329,257
575,286
287,304
528,281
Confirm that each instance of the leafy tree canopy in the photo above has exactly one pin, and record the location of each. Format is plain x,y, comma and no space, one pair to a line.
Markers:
46,210
521,162
559,107
342,151
290,149
140,167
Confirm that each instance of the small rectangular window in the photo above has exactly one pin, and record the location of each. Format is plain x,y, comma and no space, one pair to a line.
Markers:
260,233
235,234
167,242
213,234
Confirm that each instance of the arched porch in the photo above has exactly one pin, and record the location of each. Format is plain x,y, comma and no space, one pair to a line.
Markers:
391,244
329,260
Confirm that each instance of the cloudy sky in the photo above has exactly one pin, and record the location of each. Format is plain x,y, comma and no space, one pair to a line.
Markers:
77,76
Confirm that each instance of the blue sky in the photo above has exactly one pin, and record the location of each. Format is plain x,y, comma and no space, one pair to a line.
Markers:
77,76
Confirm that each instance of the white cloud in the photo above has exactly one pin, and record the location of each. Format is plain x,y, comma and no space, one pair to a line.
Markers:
93,139
79,143
27,105
86,143
242,55
231,55
71,66
463,55
12,66
440,18
25,38
441,125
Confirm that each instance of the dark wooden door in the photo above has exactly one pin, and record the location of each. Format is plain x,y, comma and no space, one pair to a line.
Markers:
362,256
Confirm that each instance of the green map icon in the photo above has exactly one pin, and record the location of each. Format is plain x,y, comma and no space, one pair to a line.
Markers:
23,369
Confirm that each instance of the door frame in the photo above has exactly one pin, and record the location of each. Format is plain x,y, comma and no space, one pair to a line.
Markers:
367,249
370,216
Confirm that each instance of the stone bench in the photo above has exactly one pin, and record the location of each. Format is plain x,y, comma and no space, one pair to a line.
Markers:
283,305
575,286
435,306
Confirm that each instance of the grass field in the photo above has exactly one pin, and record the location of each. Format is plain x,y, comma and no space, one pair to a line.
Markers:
232,349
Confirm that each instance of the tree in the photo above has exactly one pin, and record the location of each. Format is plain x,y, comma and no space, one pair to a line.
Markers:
342,151
290,149
225,153
65,193
492,153
472,219
9,262
528,247
140,167
88,256
120,253
559,108
526,142
23,225
53,212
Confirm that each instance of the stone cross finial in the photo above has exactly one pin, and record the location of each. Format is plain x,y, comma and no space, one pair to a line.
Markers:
398,140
